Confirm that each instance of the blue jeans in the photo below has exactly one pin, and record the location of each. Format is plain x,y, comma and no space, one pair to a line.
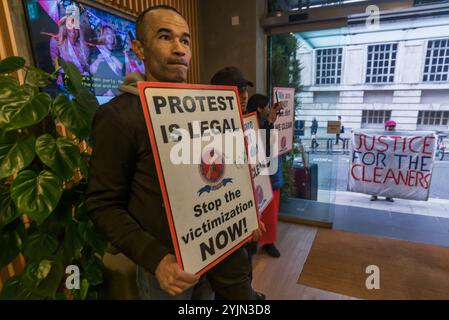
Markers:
149,289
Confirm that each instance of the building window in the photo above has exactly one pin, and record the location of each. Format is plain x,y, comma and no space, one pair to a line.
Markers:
381,63
328,66
375,118
437,61
433,118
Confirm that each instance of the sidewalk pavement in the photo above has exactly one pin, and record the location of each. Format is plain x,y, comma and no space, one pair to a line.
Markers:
433,207
336,148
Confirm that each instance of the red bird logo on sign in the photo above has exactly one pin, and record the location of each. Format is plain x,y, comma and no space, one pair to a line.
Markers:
212,167
212,170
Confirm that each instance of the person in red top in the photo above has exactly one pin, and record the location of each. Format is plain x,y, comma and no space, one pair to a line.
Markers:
233,76
267,117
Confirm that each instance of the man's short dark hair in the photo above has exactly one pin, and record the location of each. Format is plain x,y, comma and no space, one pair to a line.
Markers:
140,22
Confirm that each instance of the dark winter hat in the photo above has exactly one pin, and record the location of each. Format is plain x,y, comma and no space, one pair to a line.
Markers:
230,76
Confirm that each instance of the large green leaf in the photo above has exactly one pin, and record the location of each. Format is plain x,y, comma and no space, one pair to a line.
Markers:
73,243
93,237
8,212
74,76
62,156
14,289
81,294
76,115
93,270
37,195
7,86
40,245
24,111
11,242
44,277
88,100
12,94
11,64
37,77
63,212
9,246
16,153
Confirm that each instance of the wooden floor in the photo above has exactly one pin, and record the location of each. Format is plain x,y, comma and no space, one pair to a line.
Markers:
277,277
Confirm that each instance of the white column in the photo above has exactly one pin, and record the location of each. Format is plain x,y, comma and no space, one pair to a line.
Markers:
410,60
307,64
354,65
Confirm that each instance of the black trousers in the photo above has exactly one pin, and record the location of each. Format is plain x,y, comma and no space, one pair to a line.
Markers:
230,279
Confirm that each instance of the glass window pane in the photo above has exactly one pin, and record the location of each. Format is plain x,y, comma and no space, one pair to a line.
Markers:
329,66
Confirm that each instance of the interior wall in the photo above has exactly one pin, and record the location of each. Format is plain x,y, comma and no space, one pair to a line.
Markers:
13,43
223,44
6,46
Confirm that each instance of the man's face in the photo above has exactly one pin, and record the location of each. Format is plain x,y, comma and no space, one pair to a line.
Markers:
166,46
243,95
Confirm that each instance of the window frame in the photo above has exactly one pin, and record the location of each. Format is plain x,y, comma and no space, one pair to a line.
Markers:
374,119
426,119
429,73
315,67
389,75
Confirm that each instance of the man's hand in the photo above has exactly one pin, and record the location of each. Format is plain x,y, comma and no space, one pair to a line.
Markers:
257,234
274,112
171,278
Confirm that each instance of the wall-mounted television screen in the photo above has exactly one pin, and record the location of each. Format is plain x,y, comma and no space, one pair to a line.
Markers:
94,38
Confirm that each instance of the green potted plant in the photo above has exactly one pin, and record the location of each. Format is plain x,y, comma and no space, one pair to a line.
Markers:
286,72
43,176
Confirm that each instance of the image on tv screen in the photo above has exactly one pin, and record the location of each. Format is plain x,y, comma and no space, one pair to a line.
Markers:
96,41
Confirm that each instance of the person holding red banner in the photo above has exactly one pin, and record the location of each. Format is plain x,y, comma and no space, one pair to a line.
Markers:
124,197
267,117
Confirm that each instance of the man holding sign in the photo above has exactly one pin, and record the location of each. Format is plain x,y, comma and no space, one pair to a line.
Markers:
267,116
124,196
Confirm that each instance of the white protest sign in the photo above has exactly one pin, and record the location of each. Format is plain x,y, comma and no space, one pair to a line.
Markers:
206,184
392,164
284,122
259,161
